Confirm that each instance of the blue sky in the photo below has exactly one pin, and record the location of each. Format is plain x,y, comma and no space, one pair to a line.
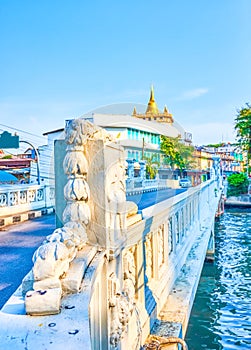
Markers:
60,59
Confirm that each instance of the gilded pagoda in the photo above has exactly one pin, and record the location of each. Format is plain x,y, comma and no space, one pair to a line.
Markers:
152,112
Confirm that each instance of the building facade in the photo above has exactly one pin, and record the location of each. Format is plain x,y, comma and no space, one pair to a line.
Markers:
139,134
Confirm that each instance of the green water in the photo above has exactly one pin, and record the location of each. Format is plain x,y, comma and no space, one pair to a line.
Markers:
221,315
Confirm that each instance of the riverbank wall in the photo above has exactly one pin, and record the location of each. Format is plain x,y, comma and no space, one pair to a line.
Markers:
242,201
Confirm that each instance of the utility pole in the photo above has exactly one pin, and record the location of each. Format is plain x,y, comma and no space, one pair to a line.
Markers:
143,148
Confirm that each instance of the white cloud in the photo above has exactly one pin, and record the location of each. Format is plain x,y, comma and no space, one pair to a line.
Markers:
192,94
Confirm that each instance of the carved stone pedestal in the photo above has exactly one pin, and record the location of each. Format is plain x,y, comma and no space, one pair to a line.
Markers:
43,302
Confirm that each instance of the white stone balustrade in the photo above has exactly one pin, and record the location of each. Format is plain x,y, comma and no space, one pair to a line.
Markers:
16,199
135,185
129,273
151,258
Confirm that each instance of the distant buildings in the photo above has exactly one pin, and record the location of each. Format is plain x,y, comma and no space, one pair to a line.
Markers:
19,165
139,134
231,157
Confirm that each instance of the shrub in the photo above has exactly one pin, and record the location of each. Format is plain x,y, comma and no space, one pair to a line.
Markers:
237,184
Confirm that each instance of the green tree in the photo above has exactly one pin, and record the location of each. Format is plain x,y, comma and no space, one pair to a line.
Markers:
151,166
176,153
167,146
243,130
186,154
237,184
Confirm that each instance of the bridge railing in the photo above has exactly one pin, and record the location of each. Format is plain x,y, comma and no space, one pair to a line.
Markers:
134,185
153,254
137,266
15,199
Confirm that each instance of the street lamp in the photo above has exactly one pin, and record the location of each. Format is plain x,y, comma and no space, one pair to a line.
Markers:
37,156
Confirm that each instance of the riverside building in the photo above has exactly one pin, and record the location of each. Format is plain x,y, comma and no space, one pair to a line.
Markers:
139,134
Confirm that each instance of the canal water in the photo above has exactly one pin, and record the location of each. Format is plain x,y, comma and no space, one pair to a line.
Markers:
221,315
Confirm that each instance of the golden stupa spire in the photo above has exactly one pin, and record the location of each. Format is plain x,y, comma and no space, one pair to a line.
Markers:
134,111
165,109
152,106
152,94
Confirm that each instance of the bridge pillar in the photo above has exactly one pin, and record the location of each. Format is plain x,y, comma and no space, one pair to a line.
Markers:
106,179
211,248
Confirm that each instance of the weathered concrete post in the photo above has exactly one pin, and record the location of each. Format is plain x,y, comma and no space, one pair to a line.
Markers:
92,213
106,178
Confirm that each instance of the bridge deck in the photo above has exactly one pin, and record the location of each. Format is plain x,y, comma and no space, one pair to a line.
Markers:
147,199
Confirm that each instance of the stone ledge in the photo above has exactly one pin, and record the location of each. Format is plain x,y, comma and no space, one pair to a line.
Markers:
43,302
131,220
67,329
21,217
180,300
71,283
